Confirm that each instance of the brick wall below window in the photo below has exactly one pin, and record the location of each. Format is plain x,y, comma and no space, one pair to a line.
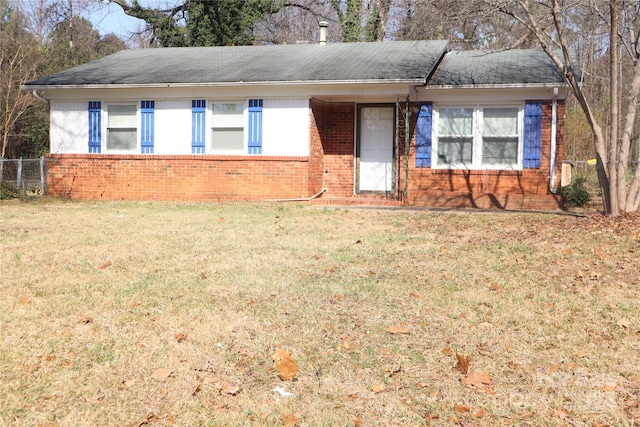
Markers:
193,178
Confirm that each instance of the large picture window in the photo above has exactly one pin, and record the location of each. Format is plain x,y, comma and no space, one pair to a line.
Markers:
122,133
478,137
227,127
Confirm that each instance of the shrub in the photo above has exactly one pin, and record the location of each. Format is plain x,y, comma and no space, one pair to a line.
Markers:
576,194
8,191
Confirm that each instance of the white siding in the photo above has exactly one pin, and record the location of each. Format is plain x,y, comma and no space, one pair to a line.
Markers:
285,127
172,132
69,127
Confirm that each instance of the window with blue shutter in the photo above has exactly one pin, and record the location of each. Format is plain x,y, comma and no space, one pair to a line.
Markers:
255,126
146,128
198,115
532,134
423,136
95,126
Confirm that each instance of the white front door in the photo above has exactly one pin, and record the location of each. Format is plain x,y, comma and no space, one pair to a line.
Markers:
376,149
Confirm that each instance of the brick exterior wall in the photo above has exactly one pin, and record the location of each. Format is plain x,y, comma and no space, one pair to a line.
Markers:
337,136
330,165
316,149
192,178
504,189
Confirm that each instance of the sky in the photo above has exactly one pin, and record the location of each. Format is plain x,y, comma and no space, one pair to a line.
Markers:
109,18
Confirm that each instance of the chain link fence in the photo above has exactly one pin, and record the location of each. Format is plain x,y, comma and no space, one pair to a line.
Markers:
27,175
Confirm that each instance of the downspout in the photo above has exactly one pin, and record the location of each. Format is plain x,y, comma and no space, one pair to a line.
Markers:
407,140
554,136
396,149
38,97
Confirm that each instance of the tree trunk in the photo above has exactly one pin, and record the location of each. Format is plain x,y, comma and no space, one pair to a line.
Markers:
612,166
628,197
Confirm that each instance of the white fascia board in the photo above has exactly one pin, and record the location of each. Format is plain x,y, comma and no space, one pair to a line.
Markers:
493,94
353,90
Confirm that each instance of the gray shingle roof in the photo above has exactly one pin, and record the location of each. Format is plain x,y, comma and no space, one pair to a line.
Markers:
392,61
518,66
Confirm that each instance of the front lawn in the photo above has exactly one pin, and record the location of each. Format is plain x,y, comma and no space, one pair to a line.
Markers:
158,314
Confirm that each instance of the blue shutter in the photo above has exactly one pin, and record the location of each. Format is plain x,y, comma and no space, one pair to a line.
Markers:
146,113
532,133
423,136
198,135
255,126
95,126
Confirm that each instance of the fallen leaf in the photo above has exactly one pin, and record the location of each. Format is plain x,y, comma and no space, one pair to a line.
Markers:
24,300
582,352
231,389
105,265
290,419
393,372
357,421
461,409
358,242
477,379
196,390
150,418
447,351
560,413
552,368
624,323
463,363
608,387
397,330
496,288
377,388
287,368
181,336
128,383
479,413
170,418
161,374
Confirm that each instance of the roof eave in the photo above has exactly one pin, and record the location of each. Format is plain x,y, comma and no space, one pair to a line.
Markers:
497,86
414,81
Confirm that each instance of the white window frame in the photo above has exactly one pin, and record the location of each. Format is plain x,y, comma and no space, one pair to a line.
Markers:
210,127
477,144
106,127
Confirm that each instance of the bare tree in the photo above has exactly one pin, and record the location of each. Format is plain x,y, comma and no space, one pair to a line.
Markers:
18,64
547,19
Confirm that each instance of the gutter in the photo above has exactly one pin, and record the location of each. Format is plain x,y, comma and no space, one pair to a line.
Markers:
496,86
416,81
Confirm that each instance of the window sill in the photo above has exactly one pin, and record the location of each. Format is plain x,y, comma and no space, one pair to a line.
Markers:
453,171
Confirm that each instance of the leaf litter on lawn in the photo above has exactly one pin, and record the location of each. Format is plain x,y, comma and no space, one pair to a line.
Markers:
211,301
